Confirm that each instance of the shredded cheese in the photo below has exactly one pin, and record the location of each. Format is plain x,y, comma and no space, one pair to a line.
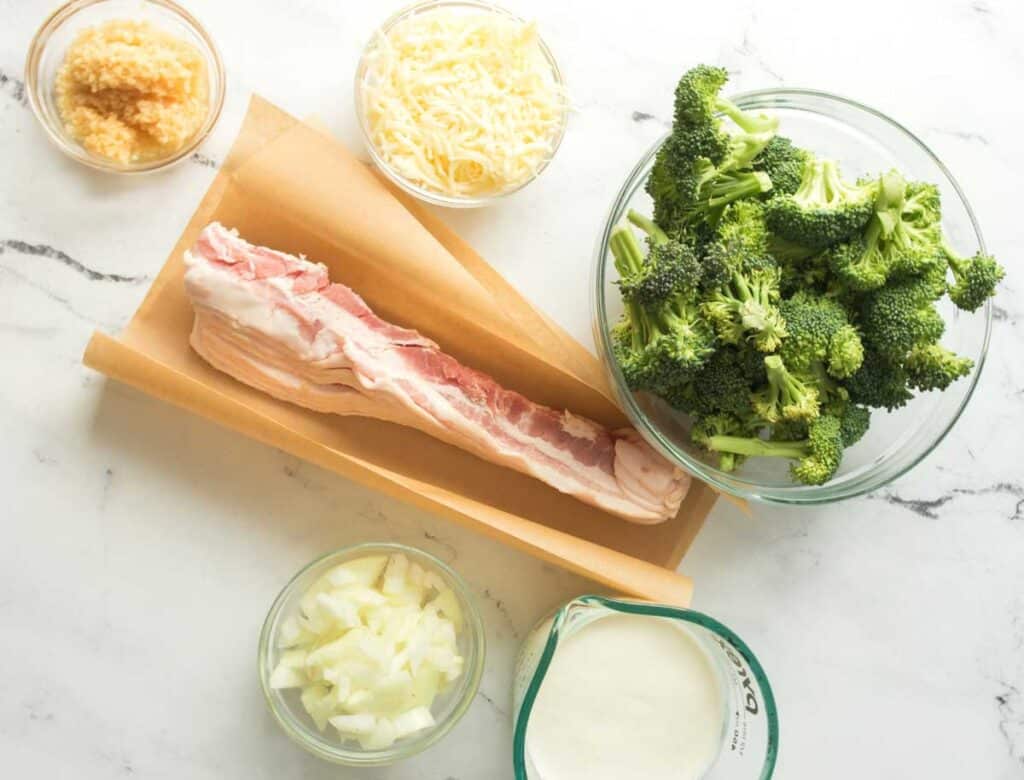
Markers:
463,103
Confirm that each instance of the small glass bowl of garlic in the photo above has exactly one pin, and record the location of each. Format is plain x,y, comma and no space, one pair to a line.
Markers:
371,654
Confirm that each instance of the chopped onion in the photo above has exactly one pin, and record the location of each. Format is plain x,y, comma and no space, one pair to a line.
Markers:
374,643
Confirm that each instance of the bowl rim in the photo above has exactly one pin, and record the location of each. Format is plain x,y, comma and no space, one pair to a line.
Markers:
72,148
790,495
301,734
424,193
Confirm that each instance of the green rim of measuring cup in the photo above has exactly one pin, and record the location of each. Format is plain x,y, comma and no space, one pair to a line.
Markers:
655,610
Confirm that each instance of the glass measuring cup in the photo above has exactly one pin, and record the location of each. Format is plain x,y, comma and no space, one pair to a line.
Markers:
749,721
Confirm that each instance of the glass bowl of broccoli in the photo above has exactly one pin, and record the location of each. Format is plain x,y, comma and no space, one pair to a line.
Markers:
791,294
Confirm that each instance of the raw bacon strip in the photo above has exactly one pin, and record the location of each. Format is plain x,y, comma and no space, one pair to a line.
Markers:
275,322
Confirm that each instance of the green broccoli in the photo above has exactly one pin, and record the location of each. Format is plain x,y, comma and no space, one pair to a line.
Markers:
702,166
933,367
723,383
865,262
657,350
671,266
718,425
787,252
784,163
974,278
745,308
658,346
699,108
739,242
627,346
787,396
818,329
917,234
817,457
777,304
824,211
901,240
901,316
854,422
691,193
880,382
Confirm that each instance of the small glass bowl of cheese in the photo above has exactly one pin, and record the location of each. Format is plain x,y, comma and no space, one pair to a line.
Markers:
153,22
371,654
460,102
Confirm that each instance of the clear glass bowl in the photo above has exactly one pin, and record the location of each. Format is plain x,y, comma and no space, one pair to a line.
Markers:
447,708
418,190
863,141
46,54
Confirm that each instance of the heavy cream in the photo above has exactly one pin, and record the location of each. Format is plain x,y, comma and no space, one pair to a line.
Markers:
627,696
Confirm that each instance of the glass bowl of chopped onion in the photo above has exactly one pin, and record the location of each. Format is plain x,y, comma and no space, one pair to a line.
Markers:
371,654
460,102
159,135
863,141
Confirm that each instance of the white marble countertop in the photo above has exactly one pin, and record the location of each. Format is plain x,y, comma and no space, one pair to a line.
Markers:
143,545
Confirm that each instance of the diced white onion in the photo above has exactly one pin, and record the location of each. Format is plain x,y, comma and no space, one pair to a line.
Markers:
375,641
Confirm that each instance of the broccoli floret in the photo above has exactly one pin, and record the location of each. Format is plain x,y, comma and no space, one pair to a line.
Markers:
655,346
901,316
933,367
974,278
880,382
819,330
817,457
702,166
861,264
697,119
923,205
710,190
786,397
845,352
739,242
723,384
689,341
865,262
627,346
824,211
658,350
810,276
854,422
690,193
671,266
789,252
745,308
784,163
901,240
917,234
721,424
824,452
789,430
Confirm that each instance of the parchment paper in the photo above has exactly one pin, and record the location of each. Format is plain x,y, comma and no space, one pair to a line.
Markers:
290,186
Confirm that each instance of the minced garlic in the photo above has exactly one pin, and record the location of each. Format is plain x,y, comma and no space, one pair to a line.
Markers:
131,92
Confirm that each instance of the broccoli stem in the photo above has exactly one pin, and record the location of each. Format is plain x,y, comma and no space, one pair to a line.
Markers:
742,445
836,190
657,235
751,123
727,188
957,262
629,257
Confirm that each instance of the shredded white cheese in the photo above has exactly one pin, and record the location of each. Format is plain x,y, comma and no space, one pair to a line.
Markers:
463,103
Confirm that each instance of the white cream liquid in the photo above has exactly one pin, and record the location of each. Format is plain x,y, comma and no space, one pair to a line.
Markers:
628,696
